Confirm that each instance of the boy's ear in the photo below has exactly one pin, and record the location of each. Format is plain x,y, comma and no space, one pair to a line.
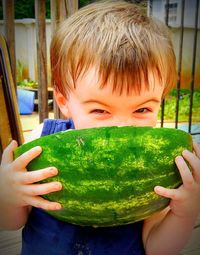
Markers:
62,103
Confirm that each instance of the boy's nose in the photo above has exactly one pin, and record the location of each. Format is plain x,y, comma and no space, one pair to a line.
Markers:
123,122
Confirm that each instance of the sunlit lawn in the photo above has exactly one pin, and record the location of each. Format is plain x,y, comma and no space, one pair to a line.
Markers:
184,106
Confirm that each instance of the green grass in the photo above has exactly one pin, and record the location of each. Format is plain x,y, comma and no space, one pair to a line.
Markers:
184,106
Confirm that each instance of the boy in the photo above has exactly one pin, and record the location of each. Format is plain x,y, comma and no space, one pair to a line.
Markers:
111,65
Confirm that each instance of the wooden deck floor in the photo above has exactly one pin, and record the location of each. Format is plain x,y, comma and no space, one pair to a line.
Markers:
10,242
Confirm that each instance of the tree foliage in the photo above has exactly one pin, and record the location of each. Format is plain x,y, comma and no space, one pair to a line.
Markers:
26,8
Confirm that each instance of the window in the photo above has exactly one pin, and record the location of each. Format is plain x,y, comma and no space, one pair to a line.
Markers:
171,10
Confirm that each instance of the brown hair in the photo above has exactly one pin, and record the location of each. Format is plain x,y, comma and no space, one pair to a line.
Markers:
120,40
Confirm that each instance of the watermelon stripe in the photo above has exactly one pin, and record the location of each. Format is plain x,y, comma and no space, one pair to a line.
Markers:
84,187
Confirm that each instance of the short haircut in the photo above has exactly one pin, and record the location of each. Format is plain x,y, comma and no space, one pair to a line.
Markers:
120,40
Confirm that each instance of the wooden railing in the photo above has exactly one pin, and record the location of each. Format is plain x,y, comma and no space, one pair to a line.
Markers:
60,9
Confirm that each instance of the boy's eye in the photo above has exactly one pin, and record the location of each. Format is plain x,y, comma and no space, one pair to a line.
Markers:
143,110
99,111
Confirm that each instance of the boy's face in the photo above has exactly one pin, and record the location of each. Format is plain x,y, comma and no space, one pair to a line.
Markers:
91,106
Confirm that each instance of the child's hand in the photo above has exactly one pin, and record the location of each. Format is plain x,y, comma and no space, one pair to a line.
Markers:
18,186
185,201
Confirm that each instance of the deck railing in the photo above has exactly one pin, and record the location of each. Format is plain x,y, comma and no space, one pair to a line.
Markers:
179,55
60,9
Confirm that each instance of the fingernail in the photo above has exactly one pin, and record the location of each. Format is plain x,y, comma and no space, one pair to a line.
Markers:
37,148
58,186
58,207
157,188
13,142
185,152
179,159
54,170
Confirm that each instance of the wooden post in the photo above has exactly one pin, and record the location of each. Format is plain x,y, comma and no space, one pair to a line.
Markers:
10,124
58,14
60,10
72,6
9,28
41,59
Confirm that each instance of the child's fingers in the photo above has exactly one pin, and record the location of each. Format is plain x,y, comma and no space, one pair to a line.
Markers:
168,193
196,147
41,189
185,172
40,202
191,158
194,162
7,156
38,175
22,161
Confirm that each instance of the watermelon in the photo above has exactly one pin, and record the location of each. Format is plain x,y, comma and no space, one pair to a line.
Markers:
108,174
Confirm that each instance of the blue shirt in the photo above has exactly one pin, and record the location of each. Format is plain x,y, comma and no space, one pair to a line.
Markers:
43,234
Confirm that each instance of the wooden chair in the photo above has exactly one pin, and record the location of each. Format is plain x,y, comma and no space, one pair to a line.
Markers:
10,125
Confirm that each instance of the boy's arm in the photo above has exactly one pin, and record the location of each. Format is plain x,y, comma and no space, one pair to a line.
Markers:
164,233
18,191
168,232
13,218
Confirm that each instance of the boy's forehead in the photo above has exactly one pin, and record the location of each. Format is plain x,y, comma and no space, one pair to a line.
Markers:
91,79
92,93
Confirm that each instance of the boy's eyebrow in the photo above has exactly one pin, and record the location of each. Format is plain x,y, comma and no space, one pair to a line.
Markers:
90,101
154,99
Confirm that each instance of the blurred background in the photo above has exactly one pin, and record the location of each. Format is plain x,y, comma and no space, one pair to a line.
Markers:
26,96
29,53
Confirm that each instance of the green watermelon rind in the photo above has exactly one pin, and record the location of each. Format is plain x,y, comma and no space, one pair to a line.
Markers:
109,173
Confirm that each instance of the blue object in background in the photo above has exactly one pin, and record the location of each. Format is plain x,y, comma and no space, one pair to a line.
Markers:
25,101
